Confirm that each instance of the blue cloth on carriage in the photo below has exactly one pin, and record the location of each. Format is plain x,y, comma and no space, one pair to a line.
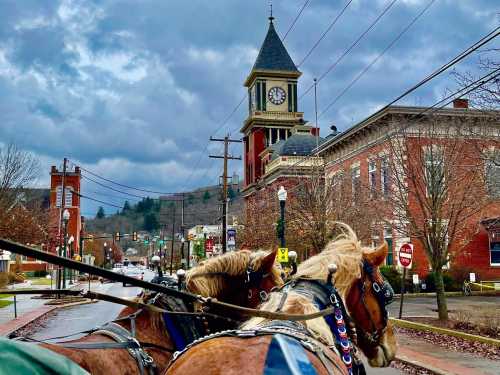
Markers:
286,356
22,358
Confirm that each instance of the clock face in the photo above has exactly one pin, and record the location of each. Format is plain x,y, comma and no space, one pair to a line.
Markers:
277,95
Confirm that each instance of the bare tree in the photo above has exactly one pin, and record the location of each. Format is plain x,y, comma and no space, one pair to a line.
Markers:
18,169
438,191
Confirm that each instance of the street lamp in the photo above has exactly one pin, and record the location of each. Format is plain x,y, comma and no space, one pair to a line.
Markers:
70,243
65,217
183,260
104,255
155,259
282,194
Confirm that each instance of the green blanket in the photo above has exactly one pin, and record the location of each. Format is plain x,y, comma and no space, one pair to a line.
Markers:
22,358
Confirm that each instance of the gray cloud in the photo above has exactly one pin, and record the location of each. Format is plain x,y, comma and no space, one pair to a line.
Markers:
134,89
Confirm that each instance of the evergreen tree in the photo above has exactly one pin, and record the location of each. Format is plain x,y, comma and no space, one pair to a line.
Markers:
100,213
151,222
126,207
206,197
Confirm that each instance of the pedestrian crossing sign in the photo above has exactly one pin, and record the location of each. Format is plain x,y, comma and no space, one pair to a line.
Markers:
283,254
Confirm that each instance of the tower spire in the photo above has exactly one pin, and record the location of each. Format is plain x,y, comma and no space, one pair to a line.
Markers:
271,18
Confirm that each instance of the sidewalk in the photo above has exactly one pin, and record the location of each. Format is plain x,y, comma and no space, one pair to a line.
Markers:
443,361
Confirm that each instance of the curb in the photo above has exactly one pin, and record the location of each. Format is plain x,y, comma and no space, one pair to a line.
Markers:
412,362
47,308
445,331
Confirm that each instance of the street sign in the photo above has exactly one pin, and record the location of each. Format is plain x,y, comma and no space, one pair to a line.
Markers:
283,254
231,237
405,255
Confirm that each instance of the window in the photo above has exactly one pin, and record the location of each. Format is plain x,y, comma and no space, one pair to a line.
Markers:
495,247
434,171
68,196
274,136
292,97
356,182
260,95
492,174
372,177
384,177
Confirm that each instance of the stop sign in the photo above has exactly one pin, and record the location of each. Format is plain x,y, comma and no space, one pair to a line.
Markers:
405,255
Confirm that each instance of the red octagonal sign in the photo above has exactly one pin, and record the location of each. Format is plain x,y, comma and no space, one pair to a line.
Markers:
405,255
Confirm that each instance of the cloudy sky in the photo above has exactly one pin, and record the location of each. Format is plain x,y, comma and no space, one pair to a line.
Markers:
133,89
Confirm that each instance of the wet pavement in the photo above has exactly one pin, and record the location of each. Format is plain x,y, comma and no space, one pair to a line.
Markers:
427,306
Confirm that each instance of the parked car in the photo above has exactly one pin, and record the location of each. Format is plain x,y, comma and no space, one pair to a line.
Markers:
134,272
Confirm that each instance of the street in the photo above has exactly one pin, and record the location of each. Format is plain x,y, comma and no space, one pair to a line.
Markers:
427,306
84,317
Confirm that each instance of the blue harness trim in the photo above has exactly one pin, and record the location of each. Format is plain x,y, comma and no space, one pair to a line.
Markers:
174,333
286,356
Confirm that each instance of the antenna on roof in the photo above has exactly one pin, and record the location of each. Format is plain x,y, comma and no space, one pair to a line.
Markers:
271,18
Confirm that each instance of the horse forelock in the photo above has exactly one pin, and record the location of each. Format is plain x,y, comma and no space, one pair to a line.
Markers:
201,279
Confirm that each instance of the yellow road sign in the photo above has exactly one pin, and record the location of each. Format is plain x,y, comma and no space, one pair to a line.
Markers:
283,254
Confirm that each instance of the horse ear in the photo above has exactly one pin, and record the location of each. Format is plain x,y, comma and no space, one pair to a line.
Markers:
377,256
268,261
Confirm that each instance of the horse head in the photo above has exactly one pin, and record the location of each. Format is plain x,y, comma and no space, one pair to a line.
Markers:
367,301
242,277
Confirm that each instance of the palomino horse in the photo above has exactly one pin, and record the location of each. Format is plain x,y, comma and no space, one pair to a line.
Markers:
319,345
233,277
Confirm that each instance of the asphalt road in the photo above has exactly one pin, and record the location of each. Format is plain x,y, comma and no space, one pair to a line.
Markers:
84,317
427,306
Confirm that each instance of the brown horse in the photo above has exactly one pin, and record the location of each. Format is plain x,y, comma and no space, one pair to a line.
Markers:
263,346
233,277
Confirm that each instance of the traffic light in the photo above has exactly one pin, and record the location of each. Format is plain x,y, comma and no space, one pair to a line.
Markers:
134,236
117,236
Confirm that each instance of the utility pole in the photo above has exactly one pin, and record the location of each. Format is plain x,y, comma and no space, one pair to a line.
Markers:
226,157
62,242
173,240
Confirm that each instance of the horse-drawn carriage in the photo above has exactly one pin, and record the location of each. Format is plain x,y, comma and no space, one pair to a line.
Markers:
235,316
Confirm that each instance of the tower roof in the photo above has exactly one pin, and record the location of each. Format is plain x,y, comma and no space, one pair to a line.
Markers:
273,56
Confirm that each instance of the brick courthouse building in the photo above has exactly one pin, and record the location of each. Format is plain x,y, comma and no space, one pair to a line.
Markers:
278,142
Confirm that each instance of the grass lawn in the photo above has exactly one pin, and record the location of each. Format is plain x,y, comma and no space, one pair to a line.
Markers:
6,295
39,281
4,303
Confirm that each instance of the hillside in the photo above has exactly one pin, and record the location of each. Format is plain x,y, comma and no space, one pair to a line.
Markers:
201,206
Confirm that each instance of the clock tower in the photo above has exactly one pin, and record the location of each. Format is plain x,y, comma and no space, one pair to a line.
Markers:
272,103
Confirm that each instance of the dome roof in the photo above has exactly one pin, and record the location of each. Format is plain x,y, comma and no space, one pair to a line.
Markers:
296,145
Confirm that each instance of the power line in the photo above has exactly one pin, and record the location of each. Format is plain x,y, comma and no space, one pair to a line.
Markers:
328,29
447,100
389,46
112,188
97,200
296,18
475,46
354,44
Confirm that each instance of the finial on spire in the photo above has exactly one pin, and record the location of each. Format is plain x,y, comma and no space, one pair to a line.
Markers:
271,18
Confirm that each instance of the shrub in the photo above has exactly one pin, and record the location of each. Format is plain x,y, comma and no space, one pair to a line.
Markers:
392,276
450,284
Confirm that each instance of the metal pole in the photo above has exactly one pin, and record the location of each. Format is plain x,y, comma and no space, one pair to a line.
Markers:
15,306
224,196
173,240
402,293
64,252
282,234
316,112
188,254
63,206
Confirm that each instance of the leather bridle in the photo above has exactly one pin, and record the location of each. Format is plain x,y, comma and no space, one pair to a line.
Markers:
384,295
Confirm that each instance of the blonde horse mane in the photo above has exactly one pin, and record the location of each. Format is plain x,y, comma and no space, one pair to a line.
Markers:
347,253
233,264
